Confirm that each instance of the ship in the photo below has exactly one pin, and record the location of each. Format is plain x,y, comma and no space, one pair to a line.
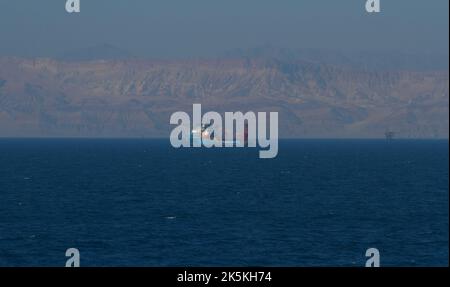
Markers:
205,135
389,135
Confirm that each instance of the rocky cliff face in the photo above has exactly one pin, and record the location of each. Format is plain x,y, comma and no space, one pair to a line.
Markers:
135,98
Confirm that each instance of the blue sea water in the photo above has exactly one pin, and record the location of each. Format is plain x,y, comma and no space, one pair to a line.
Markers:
143,203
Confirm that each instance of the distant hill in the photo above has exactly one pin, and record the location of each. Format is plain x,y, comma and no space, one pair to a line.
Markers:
97,52
363,60
134,98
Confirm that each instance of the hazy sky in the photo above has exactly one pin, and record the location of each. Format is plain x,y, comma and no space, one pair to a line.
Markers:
178,28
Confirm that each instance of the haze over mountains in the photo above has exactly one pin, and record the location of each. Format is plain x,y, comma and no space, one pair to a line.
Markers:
317,94
97,52
363,60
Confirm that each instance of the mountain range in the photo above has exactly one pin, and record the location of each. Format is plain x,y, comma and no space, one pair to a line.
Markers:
130,97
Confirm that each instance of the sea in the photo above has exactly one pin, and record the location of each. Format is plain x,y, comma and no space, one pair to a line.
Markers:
141,202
